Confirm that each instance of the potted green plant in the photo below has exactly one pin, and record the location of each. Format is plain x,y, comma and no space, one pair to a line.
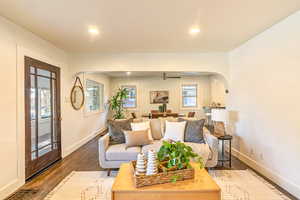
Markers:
116,103
176,156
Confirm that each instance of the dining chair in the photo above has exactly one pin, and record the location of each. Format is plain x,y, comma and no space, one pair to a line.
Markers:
154,111
156,115
133,115
191,114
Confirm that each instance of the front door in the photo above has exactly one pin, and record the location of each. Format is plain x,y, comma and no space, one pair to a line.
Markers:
42,115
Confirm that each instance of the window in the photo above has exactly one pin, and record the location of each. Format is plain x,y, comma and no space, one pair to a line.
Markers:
130,102
45,104
189,95
94,96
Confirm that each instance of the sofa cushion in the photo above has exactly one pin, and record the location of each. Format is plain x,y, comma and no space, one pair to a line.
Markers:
155,125
137,120
116,128
121,152
137,138
194,131
188,118
202,150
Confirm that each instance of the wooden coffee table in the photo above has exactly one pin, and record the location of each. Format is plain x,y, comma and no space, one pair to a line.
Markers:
203,187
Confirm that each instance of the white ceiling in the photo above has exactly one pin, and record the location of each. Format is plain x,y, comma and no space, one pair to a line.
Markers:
147,25
122,74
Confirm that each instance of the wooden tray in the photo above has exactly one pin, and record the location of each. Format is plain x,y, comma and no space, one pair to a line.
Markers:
161,177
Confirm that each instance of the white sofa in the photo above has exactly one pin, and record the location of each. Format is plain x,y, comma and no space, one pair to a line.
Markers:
112,156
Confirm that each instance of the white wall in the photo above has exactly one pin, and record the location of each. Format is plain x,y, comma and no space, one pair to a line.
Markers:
264,98
16,42
218,86
146,84
83,126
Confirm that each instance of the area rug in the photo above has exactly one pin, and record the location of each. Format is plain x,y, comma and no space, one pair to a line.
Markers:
235,185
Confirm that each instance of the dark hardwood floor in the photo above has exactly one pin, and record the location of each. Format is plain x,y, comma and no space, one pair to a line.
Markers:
84,159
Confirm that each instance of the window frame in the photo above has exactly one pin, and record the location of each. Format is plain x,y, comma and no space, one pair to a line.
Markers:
101,97
131,86
182,96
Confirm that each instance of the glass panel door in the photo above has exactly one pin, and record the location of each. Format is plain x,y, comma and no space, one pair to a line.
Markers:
42,114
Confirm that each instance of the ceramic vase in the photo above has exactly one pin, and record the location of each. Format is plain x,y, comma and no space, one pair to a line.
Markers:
140,164
152,163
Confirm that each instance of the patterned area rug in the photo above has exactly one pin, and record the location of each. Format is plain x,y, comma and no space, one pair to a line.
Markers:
245,185
235,185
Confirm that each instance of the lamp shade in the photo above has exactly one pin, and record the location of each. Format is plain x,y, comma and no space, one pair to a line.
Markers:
218,115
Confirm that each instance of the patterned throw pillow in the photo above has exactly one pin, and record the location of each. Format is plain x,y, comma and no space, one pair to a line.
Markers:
116,128
194,131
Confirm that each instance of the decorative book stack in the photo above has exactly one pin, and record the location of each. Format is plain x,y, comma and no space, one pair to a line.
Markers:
152,163
140,164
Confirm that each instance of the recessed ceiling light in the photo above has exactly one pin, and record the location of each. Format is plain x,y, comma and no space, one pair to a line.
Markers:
194,31
93,30
128,73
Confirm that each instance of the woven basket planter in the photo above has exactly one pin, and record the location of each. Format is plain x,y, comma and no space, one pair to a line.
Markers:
161,177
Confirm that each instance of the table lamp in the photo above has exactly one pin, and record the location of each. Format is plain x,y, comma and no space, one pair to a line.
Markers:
218,116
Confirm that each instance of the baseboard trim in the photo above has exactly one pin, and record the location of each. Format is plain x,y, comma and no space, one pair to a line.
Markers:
81,142
291,187
10,188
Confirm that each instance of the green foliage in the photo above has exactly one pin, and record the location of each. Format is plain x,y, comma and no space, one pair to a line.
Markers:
116,103
175,178
178,155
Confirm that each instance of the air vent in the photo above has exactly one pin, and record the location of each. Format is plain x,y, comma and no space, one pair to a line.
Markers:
165,76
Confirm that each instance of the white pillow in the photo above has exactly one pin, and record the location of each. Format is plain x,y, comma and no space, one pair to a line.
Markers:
175,131
163,123
142,126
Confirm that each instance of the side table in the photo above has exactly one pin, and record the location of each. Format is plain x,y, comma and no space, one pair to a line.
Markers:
223,159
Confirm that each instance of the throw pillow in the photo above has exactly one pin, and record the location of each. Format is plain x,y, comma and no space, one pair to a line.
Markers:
137,120
142,126
137,138
175,131
163,123
194,131
116,128
188,118
155,125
